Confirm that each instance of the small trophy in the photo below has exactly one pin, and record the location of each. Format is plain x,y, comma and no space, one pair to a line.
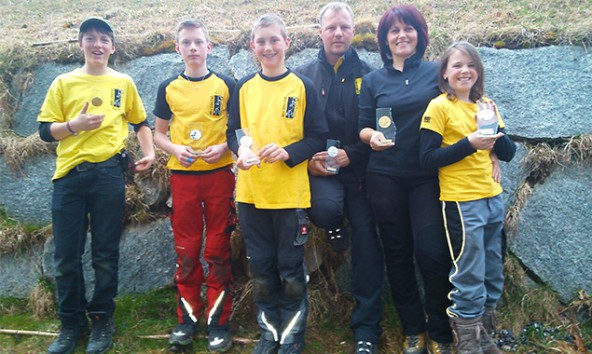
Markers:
197,142
386,125
245,139
332,151
486,119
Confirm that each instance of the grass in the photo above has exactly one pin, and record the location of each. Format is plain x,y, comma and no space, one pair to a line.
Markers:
153,313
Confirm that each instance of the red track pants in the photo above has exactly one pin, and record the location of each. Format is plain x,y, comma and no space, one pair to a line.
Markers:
199,198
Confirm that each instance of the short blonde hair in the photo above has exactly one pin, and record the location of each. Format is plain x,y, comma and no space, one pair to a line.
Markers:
335,6
191,23
267,20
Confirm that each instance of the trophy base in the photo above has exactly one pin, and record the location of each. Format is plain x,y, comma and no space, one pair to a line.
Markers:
332,170
386,142
252,161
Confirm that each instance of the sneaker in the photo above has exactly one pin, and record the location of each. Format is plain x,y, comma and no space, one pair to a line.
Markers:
219,340
292,348
101,334
183,334
338,239
265,346
415,344
66,341
365,347
439,348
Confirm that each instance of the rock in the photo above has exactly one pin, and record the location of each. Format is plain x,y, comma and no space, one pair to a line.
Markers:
553,238
20,272
26,196
242,64
513,174
542,93
25,118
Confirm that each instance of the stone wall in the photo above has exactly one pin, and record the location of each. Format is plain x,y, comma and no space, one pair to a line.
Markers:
543,95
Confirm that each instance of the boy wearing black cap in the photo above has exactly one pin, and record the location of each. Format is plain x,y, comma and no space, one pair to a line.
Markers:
88,111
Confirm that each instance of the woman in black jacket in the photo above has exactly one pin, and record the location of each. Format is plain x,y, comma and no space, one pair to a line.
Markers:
404,195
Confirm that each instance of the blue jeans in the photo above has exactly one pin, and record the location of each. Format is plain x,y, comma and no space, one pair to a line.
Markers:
93,197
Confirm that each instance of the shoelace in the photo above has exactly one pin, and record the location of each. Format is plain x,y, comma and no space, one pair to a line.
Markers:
335,234
364,347
413,341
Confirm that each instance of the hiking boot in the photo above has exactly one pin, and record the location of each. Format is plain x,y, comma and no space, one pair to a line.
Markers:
66,341
363,347
489,323
338,239
265,346
415,344
439,348
183,333
292,348
101,334
219,339
467,334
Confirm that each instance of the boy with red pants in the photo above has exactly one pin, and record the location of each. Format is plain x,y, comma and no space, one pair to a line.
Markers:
192,108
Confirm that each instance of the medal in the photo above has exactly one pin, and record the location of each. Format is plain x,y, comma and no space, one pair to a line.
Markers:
97,101
384,121
195,134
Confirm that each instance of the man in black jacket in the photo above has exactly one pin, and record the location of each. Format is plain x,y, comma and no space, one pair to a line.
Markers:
337,175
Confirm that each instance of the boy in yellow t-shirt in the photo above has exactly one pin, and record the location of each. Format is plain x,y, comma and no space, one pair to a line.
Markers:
282,112
88,111
192,108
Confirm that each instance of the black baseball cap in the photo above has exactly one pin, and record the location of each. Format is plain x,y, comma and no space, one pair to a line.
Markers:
97,22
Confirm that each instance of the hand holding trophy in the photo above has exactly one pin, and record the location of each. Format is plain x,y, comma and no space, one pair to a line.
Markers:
247,149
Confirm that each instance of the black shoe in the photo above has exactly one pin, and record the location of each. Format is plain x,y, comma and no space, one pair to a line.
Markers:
338,239
219,340
101,334
292,348
265,346
183,333
363,347
66,341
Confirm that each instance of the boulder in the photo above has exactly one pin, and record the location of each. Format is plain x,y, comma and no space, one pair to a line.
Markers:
553,238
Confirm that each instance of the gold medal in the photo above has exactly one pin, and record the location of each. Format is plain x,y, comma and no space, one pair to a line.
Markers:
384,121
96,101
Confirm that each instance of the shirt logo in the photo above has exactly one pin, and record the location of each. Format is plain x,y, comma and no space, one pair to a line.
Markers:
216,105
117,93
427,119
290,107
358,84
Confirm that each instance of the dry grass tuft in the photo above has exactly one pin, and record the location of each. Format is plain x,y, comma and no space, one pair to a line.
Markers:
41,301
14,236
136,211
17,150
579,149
542,160
521,195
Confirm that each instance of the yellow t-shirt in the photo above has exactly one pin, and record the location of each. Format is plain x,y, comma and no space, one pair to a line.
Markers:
113,94
470,178
199,115
274,113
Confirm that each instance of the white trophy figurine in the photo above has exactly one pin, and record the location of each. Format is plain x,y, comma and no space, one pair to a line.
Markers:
486,119
245,140
332,151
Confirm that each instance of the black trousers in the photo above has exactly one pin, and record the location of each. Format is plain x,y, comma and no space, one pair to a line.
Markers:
332,199
407,211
